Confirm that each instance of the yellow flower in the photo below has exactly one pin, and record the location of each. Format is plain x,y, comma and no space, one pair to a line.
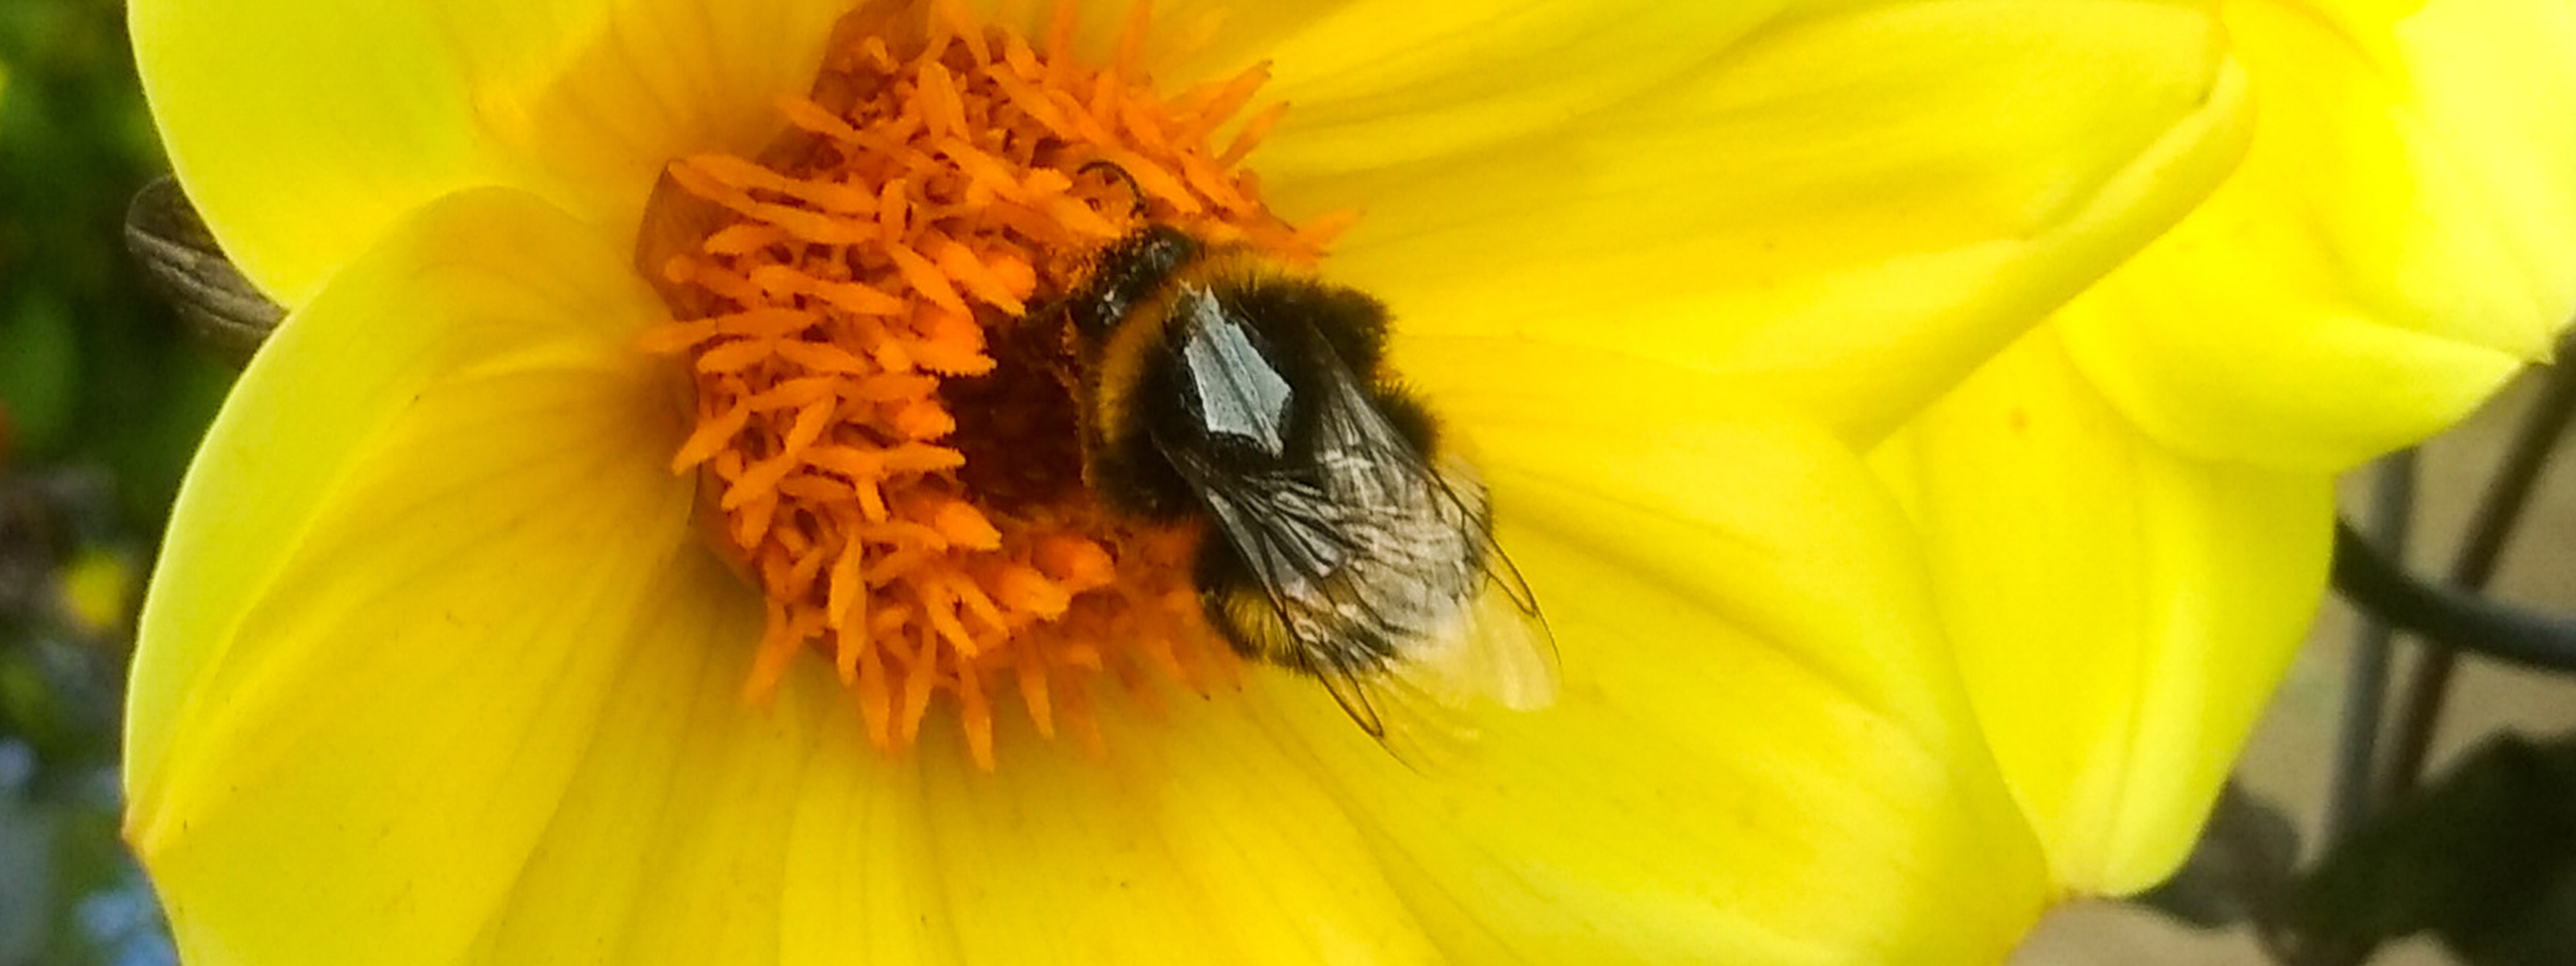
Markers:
438,668
97,588
2128,513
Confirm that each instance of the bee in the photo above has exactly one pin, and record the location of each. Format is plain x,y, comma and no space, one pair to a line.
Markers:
1343,542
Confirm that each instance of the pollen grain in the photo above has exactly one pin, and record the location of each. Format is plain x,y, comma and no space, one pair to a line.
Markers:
885,434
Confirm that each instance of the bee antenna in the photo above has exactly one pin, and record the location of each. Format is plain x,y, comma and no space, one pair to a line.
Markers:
1134,190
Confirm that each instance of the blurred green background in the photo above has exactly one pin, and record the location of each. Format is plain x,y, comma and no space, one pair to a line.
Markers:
102,399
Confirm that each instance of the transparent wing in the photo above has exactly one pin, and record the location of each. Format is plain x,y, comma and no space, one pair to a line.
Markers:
1383,571
1505,649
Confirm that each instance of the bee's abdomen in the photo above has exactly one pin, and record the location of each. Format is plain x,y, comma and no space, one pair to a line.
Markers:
1383,586
1258,627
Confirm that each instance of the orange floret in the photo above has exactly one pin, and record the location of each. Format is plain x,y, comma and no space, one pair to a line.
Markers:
884,429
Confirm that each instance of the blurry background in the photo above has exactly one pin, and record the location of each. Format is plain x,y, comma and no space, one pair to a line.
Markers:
102,398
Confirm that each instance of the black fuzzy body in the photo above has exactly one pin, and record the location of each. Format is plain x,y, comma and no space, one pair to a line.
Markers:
1223,390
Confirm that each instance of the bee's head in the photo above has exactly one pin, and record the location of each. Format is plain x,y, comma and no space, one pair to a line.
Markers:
1125,274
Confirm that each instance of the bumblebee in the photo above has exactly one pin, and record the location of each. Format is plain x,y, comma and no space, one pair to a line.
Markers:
1342,543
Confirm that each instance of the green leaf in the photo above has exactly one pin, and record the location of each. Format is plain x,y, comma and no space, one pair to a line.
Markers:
39,362
2239,868
2485,860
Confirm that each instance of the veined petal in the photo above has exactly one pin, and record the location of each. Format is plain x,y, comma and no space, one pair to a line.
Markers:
2121,611
1848,207
403,572
1378,83
456,651
1759,753
303,130
1198,838
2400,239
699,829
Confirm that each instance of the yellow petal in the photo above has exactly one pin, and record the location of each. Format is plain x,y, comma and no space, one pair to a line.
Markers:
1199,838
435,651
1383,82
304,129
1759,753
697,829
2121,611
2401,237
401,577
1847,208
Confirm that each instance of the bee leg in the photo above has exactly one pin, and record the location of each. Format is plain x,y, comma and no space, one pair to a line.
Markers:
1236,606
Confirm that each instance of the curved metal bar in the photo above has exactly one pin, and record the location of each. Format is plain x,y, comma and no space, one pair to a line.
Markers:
2365,700
2499,513
2466,621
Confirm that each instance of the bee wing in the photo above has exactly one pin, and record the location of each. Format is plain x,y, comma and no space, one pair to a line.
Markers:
1500,651
1417,707
1426,640
179,255
1504,649
1498,648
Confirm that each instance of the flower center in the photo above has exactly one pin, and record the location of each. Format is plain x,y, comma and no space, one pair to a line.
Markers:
886,436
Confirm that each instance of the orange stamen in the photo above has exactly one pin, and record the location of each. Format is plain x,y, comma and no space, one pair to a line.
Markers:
884,428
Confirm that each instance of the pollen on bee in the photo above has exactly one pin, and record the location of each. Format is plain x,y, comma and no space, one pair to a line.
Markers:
885,431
